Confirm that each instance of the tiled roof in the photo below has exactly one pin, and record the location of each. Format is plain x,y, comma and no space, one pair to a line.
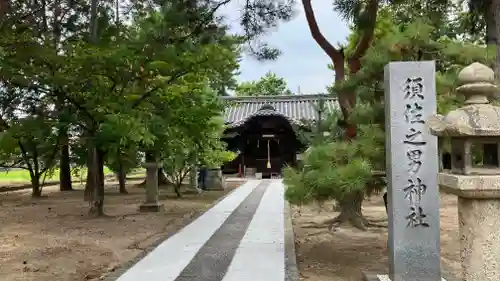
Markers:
295,108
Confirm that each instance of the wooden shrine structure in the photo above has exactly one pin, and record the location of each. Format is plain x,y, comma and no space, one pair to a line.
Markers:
262,130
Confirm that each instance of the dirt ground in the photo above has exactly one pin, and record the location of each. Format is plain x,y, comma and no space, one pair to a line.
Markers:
54,239
342,255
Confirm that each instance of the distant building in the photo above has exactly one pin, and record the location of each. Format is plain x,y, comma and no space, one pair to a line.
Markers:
262,130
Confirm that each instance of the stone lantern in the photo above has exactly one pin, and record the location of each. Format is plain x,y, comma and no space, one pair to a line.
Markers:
474,131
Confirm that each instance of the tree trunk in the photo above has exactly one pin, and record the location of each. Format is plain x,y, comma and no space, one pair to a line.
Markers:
99,195
4,8
93,190
121,175
98,181
162,179
64,164
95,171
347,101
92,177
177,189
493,39
89,181
350,212
35,186
493,33
93,187
100,165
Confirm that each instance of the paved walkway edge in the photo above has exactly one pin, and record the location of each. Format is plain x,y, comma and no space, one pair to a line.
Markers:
261,252
115,273
213,259
160,264
291,268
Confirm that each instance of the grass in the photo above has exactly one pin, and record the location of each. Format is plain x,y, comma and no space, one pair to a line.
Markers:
23,176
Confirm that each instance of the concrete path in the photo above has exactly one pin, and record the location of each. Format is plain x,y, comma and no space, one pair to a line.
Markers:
245,237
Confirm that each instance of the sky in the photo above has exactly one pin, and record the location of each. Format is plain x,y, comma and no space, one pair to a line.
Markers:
302,62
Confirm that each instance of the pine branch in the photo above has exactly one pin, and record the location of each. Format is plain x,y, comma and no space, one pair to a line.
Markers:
364,42
334,54
337,56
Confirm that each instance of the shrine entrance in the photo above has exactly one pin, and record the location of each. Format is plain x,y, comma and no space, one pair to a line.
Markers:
265,144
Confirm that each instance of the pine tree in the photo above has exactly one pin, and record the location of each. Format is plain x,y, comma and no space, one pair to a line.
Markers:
348,171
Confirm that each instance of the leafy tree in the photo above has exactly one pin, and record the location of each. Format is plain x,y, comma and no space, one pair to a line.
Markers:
28,119
131,67
186,106
122,154
268,85
198,140
141,85
29,143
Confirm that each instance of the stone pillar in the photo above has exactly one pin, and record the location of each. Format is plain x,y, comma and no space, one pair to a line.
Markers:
479,224
151,204
411,166
411,173
480,238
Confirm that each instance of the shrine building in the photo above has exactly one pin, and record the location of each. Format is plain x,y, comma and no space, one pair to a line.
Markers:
263,131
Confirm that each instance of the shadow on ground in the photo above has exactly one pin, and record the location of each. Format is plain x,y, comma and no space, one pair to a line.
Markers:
54,239
342,255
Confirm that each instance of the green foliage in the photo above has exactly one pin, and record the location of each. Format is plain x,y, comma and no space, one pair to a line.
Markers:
185,153
29,143
268,85
320,179
147,82
334,169
324,128
260,15
196,139
474,20
123,159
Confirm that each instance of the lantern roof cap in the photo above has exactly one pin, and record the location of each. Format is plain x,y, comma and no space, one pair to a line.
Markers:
478,117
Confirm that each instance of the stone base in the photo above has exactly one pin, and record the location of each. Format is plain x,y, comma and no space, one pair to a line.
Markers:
369,276
151,207
447,274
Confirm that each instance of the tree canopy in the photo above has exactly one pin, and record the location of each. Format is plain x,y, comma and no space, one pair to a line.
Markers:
88,84
268,85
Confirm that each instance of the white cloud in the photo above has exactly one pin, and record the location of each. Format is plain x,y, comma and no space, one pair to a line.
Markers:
302,63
